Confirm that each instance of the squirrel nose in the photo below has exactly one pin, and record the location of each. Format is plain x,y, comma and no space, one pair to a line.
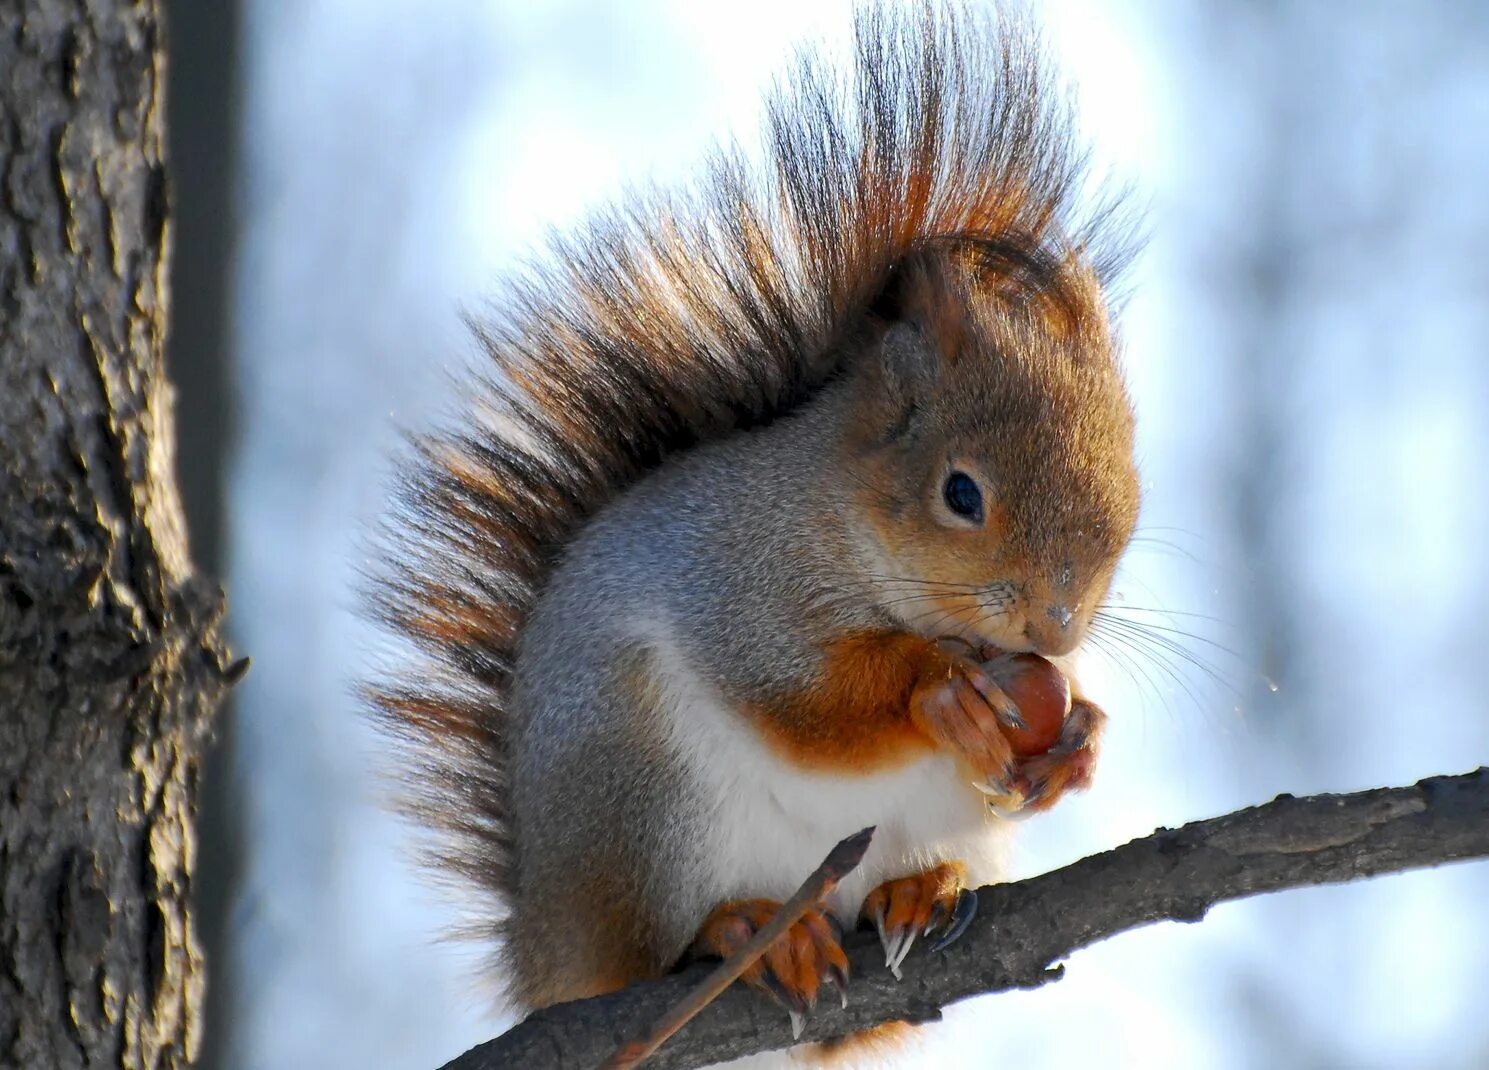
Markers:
1052,635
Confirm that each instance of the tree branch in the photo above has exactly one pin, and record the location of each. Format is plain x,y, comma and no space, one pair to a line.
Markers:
1026,927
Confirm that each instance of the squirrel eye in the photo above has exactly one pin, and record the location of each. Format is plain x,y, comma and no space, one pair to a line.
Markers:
963,497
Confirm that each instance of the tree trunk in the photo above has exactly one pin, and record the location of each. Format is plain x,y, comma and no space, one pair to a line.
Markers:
110,664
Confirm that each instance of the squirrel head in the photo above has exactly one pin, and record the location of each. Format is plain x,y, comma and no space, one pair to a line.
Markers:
991,448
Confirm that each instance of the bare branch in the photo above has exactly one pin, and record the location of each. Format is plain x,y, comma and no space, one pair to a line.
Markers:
1023,929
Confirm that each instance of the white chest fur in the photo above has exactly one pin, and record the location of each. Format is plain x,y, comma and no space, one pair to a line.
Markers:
771,823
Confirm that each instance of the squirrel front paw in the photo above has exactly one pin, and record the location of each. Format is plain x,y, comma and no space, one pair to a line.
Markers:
794,968
1068,765
934,903
960,707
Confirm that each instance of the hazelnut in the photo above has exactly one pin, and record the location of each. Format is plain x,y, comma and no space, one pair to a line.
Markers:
1042,695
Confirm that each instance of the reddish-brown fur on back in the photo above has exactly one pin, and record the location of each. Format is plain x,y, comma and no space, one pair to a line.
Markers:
675,319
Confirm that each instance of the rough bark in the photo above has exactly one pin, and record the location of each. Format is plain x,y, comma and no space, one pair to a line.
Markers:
1024,929
109,658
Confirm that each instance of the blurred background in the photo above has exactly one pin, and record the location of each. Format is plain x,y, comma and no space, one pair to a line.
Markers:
1307,343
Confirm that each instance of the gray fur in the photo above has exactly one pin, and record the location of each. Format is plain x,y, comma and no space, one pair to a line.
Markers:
684,551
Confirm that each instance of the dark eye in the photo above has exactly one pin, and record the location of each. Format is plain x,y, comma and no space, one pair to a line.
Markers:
963,497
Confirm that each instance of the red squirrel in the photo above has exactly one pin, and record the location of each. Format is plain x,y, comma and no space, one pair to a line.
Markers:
759,474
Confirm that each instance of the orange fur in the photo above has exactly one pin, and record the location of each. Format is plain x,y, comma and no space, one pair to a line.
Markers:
877,1043
881,700
856,715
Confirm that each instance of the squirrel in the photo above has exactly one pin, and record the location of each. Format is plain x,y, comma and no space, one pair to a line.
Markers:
759,474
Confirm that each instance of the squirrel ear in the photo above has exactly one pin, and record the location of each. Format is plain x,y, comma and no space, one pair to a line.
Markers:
921,305
908,361
907,371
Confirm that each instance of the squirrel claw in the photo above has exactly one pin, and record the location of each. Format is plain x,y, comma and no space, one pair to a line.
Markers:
1002,795
938,918
995,787
798,1023
896,942
791,1002
1009,714
896,950
961,917
838,979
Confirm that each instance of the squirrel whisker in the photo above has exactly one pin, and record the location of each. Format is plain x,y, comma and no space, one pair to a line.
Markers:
1165,654
1152,635
1122,607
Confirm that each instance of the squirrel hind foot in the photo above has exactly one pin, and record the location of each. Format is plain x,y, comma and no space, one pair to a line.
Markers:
933,903
795,968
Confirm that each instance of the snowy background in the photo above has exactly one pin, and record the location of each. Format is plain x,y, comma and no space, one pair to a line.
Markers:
1308,348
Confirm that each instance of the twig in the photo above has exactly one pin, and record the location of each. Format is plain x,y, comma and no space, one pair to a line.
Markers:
840,861
1024,928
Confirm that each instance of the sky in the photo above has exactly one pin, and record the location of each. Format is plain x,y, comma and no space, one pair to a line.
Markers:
1304,343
